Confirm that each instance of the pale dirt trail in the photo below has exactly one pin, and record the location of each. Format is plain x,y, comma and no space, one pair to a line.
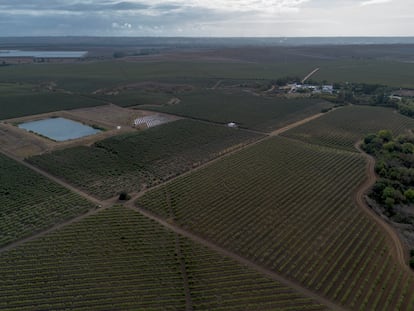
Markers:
242,260
216,85
249,145
397,248
298,123
105,204
310,75
100,205
53,178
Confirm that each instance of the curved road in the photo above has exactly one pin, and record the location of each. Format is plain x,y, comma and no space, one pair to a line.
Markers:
398,249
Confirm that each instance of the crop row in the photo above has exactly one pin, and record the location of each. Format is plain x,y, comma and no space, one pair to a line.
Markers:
247,110
29,202
342,128
288,206
117,259
134,161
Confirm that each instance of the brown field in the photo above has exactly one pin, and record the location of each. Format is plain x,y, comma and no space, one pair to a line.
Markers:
23,144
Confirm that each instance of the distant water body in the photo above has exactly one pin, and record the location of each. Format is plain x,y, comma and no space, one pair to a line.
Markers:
42,54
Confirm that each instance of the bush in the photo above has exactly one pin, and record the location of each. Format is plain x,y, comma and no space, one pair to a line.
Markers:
412,263
409,195
385,135
124,196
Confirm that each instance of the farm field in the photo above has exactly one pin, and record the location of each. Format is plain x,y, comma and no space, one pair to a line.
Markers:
289,207
90,76
30,203
118,259
343,127
267,216
132,162
247,110
384,72
22,100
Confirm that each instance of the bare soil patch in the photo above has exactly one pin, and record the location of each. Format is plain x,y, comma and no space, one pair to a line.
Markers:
147,86
115,120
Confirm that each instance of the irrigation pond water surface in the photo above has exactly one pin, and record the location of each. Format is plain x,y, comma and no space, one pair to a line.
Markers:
59,129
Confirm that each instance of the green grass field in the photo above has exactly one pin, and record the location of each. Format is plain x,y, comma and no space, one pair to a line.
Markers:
288,206
390,73
21,100
30,203
134,161
88,77
120,260
342,128
247,110
286,203
136,98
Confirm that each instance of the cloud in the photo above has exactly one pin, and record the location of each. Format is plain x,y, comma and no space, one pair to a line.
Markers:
116,25
205,17
373,2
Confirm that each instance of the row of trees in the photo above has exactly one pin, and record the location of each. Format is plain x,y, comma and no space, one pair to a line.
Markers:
395,167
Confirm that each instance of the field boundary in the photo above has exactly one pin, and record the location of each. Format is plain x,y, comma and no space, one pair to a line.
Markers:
398,249
170,225
101,205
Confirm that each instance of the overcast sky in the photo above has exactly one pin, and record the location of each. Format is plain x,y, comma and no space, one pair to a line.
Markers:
207,17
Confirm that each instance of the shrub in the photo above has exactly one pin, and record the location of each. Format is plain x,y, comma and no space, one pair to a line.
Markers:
124,196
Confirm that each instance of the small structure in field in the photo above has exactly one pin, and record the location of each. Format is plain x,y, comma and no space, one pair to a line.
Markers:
151,121
232,125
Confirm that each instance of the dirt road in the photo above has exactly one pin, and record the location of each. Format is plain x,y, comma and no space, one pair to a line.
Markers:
310,75
242,260
397,247
101,205
296,124
53,178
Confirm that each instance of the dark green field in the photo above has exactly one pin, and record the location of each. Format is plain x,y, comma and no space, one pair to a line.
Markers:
247,110
17,100
384,72
88,77
343,127
119,260
74,81
30,203
289,206
134,161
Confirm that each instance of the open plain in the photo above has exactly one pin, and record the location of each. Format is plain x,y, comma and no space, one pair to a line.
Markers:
217,182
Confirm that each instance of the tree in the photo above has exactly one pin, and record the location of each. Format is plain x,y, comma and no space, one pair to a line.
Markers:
124,196
385,135
412,263
409,195
388,192
407,148
389,202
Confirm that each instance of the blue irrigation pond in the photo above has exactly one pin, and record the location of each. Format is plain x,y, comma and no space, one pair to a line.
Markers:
59,129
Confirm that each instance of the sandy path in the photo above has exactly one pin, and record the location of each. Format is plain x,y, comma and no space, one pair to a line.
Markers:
397,248
298,123
242,260
101,205
53,178
216,85
310,75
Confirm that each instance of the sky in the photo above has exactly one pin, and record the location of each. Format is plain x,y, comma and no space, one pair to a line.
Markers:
210,18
